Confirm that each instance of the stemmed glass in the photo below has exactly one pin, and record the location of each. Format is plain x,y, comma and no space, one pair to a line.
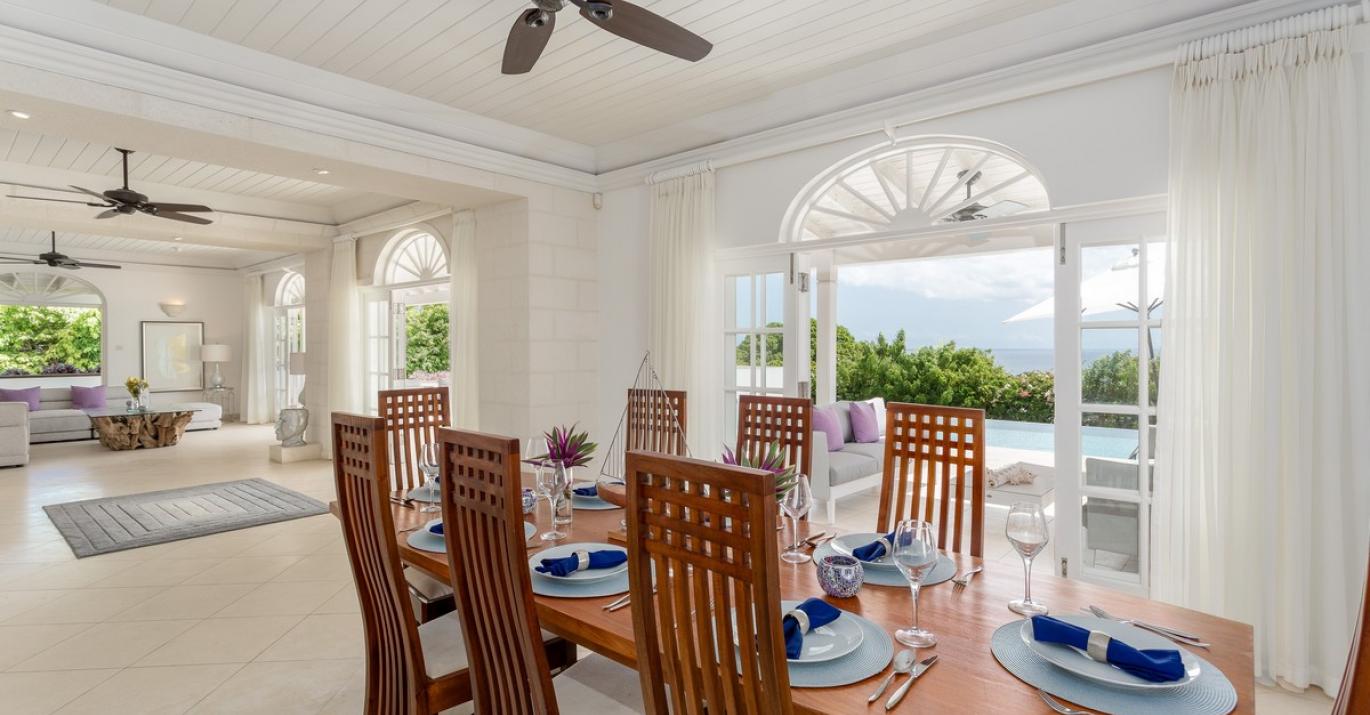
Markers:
796,502
555,480
430,466
534,448
915,555
1026,529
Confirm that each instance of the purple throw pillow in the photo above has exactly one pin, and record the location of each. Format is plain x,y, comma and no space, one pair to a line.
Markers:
28,394
88,398
825,420
864,425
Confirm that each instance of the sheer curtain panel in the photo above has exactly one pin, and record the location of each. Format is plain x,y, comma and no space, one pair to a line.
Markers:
257,354
345,377
464,346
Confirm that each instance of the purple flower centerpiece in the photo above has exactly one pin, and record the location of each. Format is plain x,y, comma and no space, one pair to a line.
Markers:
772,461
569,449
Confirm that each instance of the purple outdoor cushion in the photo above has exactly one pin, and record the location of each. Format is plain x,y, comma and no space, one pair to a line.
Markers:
28,394
825,419
864,425
88,398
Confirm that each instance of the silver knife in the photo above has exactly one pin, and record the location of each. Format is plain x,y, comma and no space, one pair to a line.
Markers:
1164,630
918,670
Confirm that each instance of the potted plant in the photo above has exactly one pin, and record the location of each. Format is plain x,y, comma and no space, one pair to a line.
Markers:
568,449
773,461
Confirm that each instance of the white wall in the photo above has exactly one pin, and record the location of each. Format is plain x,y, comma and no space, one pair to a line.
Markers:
132,296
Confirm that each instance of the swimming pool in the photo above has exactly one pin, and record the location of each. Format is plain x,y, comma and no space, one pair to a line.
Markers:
1098,441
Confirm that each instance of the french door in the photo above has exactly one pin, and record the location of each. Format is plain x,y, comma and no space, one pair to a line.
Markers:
1109,307
379,318
765,332
288,332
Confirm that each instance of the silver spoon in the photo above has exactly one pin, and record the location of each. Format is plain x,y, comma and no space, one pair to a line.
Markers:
903,663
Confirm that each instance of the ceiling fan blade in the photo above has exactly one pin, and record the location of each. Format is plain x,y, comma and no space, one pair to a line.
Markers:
83,264
39,186
16,263
92,193
186,208
60,201
187,218
648,29
1002,208
527,38
108,214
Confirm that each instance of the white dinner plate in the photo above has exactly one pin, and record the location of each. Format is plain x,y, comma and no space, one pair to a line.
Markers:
424,494
828,642
586,576
1077,662
847,543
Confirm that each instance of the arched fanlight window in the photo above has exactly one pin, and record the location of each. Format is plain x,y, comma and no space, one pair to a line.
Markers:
28,288
291,290
916,183
413,257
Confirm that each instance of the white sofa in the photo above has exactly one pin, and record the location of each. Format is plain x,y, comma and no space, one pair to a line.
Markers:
56,420
14,434
854,468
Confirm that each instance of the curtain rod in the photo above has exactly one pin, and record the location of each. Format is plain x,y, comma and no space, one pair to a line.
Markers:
1328,18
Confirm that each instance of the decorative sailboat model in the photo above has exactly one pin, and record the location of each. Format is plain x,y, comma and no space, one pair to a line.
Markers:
652,419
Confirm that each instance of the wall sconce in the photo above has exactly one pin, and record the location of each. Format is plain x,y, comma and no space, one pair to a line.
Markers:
172,309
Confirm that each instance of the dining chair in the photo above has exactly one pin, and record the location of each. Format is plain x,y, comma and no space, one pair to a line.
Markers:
483,512
701,528
1354,695
412,417
409,668
931,452
655,421
763,420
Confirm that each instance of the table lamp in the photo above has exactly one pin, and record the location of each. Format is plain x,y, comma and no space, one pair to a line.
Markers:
216,354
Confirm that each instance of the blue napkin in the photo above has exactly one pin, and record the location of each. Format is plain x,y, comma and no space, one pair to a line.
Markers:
566,566
1155,665
820,613
590,491
873,550
436,529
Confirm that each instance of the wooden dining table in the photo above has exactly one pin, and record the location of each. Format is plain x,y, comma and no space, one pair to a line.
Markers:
966,678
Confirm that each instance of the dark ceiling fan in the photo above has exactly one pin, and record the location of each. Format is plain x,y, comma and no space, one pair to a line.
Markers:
533,27
127,201
977,210
53,259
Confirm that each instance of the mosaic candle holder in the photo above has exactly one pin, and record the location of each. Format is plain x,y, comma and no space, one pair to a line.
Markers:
840,576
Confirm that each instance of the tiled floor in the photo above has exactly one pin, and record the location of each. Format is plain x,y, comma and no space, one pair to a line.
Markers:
261,620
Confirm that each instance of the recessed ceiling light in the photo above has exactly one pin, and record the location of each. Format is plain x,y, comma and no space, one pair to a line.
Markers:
18,114
178,238
321,172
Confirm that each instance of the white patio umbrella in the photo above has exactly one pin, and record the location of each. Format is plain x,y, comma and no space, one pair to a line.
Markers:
1112,290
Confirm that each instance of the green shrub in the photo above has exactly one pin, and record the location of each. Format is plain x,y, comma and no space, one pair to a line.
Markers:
39,338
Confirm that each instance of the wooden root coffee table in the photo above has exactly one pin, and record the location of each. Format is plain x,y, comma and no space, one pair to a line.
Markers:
141,429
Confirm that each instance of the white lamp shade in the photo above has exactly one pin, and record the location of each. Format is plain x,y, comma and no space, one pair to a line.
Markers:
214,353
296,363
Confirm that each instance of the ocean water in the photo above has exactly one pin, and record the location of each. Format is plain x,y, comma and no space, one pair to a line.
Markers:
1095,441
1017,360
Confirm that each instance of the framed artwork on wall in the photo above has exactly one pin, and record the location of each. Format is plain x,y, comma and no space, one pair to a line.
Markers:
171,355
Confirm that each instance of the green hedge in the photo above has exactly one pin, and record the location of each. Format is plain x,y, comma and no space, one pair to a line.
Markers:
36,339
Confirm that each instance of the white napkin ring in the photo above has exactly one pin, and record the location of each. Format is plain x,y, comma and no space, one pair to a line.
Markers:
582,560
801,617
1098,646
889,548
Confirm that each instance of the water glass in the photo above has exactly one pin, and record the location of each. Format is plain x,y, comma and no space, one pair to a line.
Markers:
915,555
1026,529
796,503
557,478
430,466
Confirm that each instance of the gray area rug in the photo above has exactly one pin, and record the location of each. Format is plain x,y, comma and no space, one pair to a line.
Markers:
99,526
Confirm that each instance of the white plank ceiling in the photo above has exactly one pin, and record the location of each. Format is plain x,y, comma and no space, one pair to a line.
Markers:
590,85
59,153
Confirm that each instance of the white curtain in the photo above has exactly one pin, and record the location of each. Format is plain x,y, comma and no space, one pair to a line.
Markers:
464,346
345,377
257,352
1261,501
684,310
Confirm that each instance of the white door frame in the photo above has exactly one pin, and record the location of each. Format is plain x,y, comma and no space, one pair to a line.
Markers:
761,273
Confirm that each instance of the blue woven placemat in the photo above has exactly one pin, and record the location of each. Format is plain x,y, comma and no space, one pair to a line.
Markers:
943,571
871,657
591,503
424,540
1210,694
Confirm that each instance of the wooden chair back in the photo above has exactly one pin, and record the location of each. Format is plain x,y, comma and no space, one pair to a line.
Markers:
483,513
394,658
655,421
1354,695
931,453
706,530
763,420
412,417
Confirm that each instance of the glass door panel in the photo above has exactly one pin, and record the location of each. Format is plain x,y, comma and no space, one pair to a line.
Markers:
757,299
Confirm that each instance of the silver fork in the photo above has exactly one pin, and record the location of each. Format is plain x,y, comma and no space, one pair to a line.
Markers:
1180,637
1058,706
960,582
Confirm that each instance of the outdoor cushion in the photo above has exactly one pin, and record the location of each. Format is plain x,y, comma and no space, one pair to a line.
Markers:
88,398
825,419
27,395
44,421
879,404
843,410
863,423
847,466
873,450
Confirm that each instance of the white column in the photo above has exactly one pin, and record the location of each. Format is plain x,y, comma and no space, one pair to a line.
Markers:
827,330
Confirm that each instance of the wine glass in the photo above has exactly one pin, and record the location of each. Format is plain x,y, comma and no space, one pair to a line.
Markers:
557,479
915,555
796,502
430,466
1026,529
